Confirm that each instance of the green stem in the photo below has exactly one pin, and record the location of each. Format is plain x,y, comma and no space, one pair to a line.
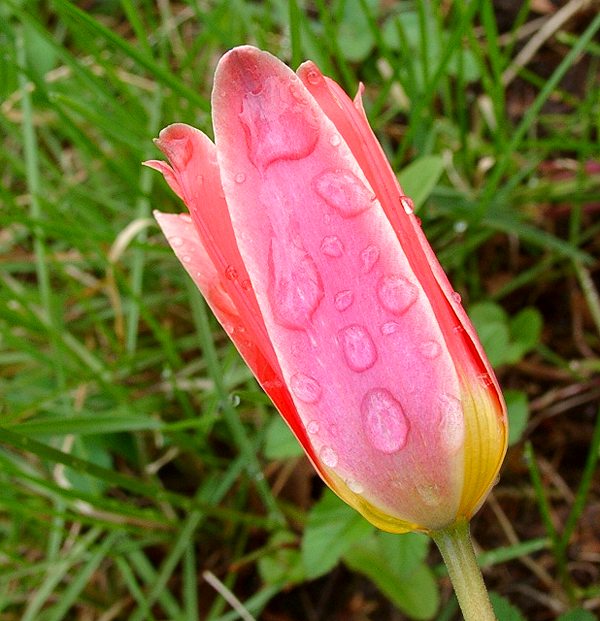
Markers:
457,551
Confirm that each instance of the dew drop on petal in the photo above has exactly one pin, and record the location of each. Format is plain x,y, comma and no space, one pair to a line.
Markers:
176,242
335,140
384,421
358,347
240,178
343,300
344,191
354,486
297,92
332,246
313,427
368,257
456,297
246,284
186,217
276,125
306,388
430,349
396,294
295,288
389,327
313,76
451,425
328,457
231,272
186,258
407,204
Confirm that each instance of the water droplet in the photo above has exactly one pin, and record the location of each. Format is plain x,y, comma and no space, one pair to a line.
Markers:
176,242
246,284
313,76
460,226
451,424
344,191
332,246
343,300
384,421
335,140
358,347
458,329
240,178
329,457
389,327
313,427
407,205
235,400
369,256
354,486
430,494
456,297
396,293
430,349
296,289
186,258
276,126
306,388
186,217
231,272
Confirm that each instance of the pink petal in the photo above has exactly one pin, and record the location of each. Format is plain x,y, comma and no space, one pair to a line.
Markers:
208,250
375,421
351,121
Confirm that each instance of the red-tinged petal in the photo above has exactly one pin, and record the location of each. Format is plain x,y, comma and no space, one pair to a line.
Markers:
341,296
185,242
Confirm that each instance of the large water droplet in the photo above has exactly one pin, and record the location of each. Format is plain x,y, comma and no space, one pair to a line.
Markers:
384,421
396,293
358,347
332,246
456,297
313,76
343,300
368,257
296,289
407,204
451,426
306,388
430,349
328,457
344,191
276,125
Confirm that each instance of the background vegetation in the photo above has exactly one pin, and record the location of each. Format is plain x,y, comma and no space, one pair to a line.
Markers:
143,476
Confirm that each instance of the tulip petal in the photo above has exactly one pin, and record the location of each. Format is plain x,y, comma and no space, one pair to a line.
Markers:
342,298
207,249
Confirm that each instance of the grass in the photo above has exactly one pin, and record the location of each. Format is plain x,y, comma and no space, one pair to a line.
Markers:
143,475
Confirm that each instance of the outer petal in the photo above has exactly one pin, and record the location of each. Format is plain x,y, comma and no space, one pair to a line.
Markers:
206,247
352,322
484,450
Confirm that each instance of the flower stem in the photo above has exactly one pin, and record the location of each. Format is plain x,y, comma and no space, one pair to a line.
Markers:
457,551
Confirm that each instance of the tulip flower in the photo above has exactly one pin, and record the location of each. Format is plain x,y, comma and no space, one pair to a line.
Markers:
309,254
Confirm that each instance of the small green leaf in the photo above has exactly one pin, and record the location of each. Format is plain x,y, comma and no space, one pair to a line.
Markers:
526,328
504,610
332,528
518,414
280,442
420,177
394,564
354,35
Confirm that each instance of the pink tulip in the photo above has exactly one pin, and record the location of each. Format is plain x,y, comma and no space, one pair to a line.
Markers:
304,245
